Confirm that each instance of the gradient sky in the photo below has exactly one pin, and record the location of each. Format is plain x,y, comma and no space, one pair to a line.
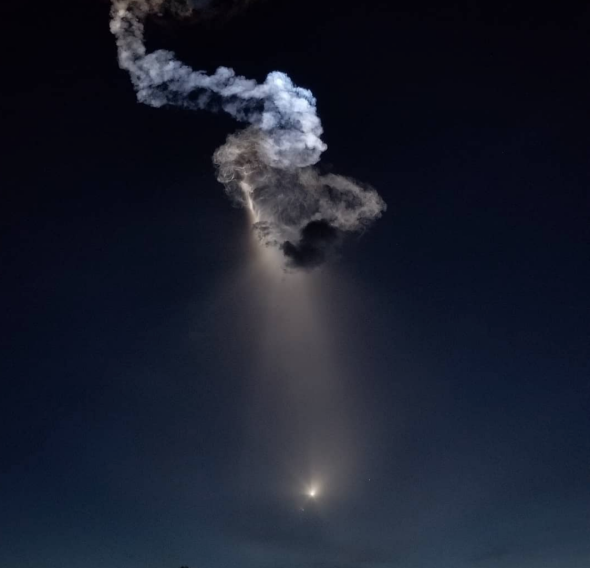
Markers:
165,401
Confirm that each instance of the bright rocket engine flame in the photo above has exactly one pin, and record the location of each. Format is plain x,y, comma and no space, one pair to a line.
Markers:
267,167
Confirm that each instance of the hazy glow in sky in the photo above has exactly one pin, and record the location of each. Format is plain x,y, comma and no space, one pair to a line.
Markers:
170,394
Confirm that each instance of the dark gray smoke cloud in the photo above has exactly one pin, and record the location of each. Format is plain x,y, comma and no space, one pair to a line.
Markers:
268,167
317,242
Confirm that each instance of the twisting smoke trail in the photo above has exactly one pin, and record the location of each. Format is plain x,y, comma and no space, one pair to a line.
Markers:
267,167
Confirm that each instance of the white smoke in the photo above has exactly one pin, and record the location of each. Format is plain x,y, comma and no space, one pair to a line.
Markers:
266,167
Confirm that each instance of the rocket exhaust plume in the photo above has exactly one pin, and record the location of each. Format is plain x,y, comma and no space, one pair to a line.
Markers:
268,167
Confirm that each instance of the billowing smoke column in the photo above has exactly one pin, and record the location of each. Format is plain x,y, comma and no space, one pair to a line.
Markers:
267,167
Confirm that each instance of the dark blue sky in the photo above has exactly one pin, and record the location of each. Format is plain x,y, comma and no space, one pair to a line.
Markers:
146,404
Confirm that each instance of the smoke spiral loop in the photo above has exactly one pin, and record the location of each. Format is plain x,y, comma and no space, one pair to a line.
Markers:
268,166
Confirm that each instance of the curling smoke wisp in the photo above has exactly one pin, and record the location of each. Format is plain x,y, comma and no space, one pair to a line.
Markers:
268,167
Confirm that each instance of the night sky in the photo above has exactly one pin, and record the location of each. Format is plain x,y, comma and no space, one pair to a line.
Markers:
163,405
